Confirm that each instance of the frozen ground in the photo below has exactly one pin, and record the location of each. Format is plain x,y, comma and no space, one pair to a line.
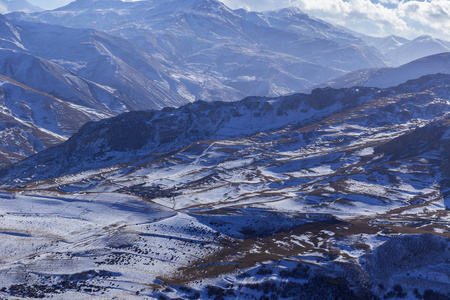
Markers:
86,244
357,203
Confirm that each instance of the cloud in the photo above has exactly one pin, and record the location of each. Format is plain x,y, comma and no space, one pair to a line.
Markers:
375,17
432,16
356,14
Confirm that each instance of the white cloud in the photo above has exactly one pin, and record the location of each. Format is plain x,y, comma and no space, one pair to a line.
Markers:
432,16
381,17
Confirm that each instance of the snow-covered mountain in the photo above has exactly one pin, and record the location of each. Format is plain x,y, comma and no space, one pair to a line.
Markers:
342,193
154,54
419,47
339,193
389,77
385,44
125,77
136,135
7,6
88,72
399,51
216,48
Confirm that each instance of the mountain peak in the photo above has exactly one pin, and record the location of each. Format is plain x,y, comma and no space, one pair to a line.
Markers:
85,4
393,38
291,11
424,38
198,5
166,6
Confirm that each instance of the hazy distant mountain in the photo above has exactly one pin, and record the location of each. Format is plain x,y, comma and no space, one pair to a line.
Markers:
421,46
221,54
7,6
388,77
385,44
398,50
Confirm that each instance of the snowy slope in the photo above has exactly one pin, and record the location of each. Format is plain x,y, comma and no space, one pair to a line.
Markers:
388,43
137,134
109,245
388,77
223,54
342,193
60,78
421,46
33,120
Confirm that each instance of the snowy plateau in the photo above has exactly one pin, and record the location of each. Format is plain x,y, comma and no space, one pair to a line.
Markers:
161,149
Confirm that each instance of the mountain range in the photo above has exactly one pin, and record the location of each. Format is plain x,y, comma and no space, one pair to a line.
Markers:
210,42
341,192
109,57
399,51
141,137
389,77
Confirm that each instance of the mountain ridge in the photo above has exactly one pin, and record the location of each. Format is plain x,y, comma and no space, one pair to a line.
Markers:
422,46
239,34
137,134
388,77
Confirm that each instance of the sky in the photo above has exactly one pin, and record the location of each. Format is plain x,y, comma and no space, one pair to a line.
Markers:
407,18
374,17
49,4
